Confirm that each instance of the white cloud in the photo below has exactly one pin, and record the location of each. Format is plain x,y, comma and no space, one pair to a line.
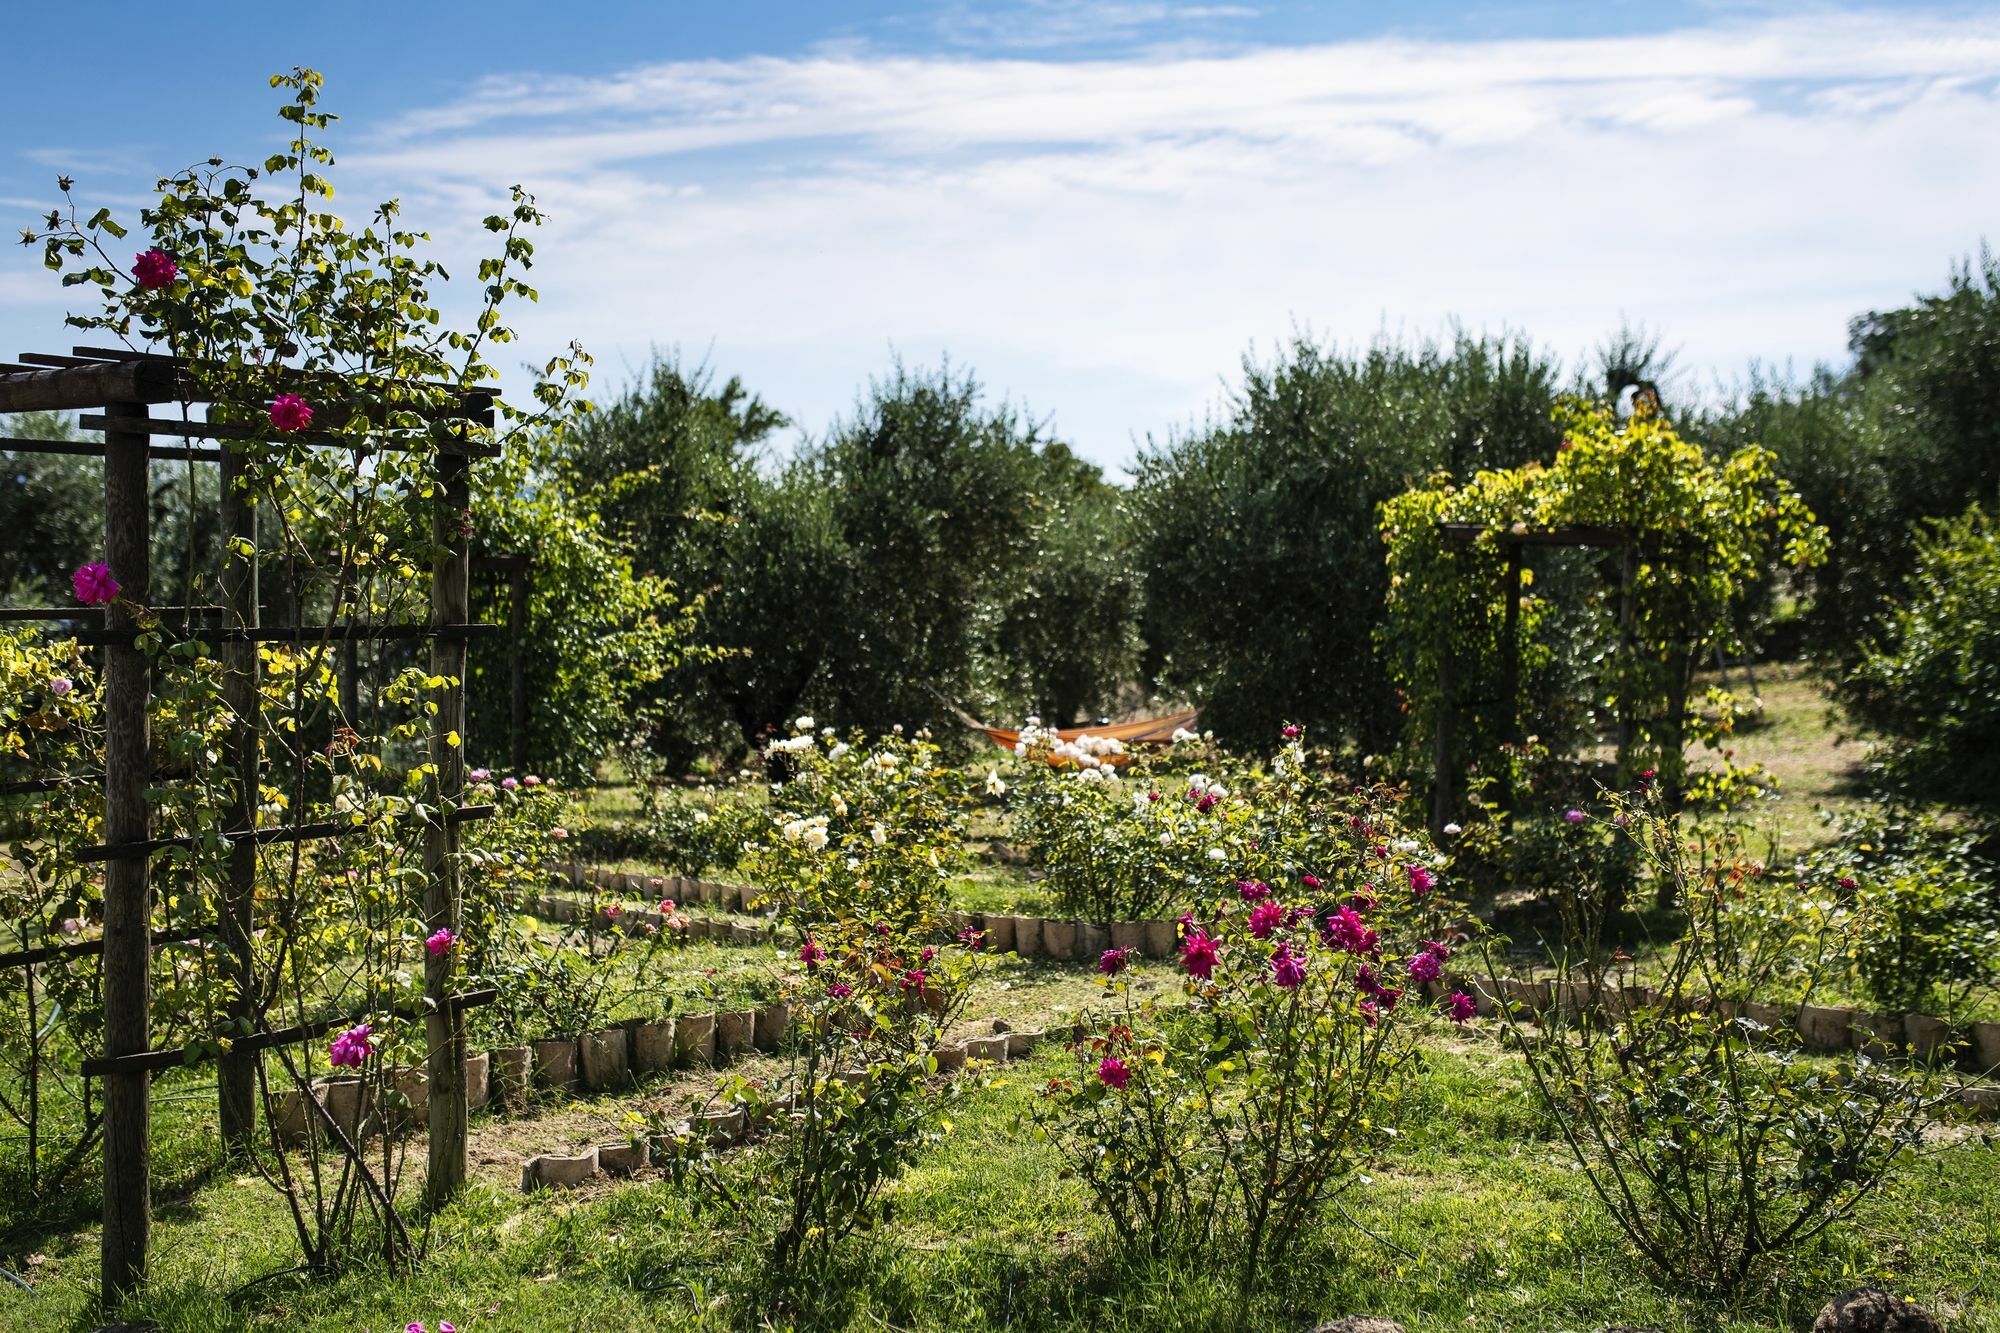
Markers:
1103,238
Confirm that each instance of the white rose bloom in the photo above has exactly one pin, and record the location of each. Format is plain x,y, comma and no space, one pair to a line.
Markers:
1452,830
839,806
701,816
1407,845
886,762
994,785
803,724
816,838
878,834
839,751
1166,840
1034,721
1217,854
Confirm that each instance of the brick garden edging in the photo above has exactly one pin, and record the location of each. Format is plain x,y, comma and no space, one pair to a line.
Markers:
728,1126
1821,1029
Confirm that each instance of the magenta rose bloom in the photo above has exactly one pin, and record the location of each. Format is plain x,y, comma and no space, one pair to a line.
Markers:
1573,816
1288,965
94,583
1113,961
812,955
1421,880
1292,732
289,413
1112,1073
154,269
1265,918
1460,1007
1424,967
440,941
840,990
1198,955
350,1048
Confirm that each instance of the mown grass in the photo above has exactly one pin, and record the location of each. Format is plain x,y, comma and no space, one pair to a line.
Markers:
1478,1220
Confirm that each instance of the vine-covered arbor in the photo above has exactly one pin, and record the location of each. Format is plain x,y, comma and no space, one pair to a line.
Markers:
219,415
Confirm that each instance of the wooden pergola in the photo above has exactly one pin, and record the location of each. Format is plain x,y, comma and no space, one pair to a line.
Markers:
115,389
1515,540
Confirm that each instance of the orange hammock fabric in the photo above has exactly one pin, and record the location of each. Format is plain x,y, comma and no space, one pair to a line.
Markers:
1145,731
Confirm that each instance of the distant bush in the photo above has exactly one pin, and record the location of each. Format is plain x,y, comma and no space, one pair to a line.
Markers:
1930,680
1925,908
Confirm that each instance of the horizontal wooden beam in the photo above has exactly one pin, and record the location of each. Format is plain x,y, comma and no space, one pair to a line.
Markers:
95,449
319,439
83,948
1520,534
296,633
132,851
154,1061
92,384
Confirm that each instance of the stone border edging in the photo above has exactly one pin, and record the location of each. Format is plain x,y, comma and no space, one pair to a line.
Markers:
728,1126
1821,1029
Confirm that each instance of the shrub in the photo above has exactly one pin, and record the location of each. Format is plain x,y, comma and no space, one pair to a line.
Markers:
860,829
1718,1150
1926,909
1119,848
1259,1093
1930,680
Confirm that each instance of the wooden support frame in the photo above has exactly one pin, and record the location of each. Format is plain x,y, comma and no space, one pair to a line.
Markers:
1514,539
114,389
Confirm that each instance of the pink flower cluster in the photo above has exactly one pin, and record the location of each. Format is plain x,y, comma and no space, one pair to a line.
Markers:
350,1048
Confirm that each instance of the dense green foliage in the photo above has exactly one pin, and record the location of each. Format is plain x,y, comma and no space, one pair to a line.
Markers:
1906,433
1696,534
1930,678
1257,536
927,545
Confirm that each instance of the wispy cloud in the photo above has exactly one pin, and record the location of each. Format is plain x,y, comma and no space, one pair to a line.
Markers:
1104,236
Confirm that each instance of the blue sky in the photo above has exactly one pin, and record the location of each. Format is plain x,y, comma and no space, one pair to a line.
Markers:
1097,205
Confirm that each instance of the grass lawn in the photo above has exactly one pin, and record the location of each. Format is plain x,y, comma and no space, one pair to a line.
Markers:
1479,1220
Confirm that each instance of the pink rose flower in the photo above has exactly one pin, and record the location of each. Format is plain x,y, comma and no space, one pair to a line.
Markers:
60,686
1112,961
94,583
440,941
1461,1007
350,1048
154,269
1288,966
1113,1073
289,413
1198,955
1421,880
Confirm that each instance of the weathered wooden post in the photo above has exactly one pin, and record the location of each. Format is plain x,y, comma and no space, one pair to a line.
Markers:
444,1023
236,1075
128,944
517,665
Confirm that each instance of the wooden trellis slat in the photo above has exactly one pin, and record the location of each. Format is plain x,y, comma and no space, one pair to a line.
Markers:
80,948
295,633
152,1062
133,851
323,439
95,449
